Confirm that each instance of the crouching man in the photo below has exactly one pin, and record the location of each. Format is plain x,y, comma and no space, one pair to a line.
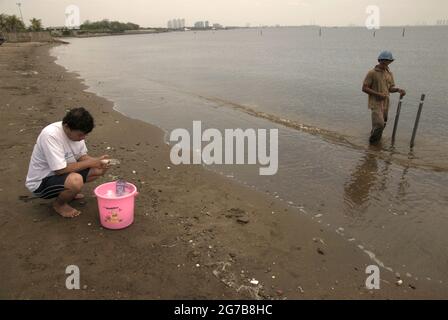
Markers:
60,165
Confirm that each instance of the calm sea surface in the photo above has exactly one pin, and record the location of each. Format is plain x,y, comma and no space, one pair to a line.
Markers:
390,201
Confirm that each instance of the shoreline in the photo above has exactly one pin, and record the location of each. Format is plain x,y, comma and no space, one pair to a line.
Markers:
196,234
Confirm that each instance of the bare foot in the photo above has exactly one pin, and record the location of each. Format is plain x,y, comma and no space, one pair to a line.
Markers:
65,210
79,196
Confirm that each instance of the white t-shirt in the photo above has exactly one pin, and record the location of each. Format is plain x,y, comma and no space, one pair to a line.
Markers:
53,151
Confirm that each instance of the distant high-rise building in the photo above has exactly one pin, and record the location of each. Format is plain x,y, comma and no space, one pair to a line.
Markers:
203,25
199,25
217,26
176,24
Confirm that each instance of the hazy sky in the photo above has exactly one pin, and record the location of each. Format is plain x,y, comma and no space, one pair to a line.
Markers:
234,12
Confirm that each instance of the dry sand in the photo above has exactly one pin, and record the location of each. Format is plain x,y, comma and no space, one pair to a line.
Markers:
196,235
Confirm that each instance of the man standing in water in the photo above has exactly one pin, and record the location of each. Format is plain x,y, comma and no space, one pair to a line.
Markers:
60,165
378,84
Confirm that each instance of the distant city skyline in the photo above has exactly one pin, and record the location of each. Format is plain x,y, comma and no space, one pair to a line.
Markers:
156,13
176,24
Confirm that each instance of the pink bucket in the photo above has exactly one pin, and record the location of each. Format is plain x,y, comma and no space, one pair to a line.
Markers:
116,212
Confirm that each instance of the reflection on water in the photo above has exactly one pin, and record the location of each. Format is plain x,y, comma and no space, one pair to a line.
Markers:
362,180
404,185
368,179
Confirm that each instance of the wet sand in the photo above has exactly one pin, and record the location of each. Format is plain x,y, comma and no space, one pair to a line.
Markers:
196,235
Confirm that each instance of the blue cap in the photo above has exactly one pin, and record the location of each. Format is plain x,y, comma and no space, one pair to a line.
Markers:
386,55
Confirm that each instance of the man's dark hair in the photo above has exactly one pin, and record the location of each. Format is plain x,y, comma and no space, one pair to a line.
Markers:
79,119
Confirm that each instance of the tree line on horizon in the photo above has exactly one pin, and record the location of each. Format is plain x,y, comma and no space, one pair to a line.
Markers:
11,23
108,26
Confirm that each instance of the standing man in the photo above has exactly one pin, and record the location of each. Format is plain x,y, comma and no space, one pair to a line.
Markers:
378,84
60,165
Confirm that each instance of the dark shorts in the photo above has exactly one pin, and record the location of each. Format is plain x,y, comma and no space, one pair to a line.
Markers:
52,186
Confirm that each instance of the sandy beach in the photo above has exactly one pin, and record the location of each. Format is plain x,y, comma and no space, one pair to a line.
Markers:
196,234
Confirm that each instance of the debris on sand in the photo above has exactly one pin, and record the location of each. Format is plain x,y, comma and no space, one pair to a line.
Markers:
253,281
239,215
243,220
252,291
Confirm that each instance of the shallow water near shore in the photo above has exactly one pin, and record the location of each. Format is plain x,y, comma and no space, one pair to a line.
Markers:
390,202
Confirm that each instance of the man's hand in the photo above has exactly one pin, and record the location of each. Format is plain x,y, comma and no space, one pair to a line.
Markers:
94,163
104,157
104,164
402,92
371,92
382,96
98,163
